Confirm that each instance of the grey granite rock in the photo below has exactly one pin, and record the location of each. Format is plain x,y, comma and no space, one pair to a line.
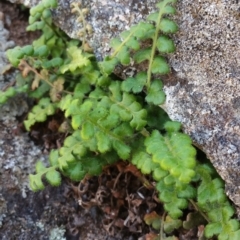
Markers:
203,89
203,92
10,109
4,45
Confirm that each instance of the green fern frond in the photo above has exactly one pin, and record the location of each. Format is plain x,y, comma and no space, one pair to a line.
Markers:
174,153
50,173
40,112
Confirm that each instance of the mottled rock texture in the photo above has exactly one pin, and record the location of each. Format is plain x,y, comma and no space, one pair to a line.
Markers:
203,89
203,92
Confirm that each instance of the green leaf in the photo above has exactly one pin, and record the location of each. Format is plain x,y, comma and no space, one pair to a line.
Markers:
233,235
75,171
14,55
139,117
108,65
53,157
153,17
73,145
165,44
122,149
173,153
169,9
87,131
93,165
36,9
142,55
136,84
212,191
36,26
123,130
77,60
4,96
164,3
40,167
81,89
115,43
79,112
155,94
46,13
133,43
174,207
144,162
142,30
171,224
187,192
168,26
35,182
159,173
34,18
91,74
53,177
40,91
55,62
130,110
172,126
40,112
169,180
223,214
213,229
28,50
41,51
104,142
160,65
124,56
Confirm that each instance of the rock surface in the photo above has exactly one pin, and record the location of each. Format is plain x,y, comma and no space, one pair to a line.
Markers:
203,89
204,94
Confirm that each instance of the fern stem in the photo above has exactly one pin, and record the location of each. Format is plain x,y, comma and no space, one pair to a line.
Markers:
103,129
25,63
145,133
122,44
161,237
154,46
198,209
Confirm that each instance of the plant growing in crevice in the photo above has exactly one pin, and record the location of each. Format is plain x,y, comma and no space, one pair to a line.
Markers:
112,119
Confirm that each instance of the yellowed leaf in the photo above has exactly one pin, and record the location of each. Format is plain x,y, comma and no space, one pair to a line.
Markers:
56,90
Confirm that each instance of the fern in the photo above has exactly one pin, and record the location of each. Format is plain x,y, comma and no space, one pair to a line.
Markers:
112,119
40,112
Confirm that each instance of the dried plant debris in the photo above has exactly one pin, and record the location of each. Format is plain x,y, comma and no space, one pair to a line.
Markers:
121,197
126,204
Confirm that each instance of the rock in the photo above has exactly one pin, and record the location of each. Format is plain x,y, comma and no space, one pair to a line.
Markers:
203,92
203,89
5,44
